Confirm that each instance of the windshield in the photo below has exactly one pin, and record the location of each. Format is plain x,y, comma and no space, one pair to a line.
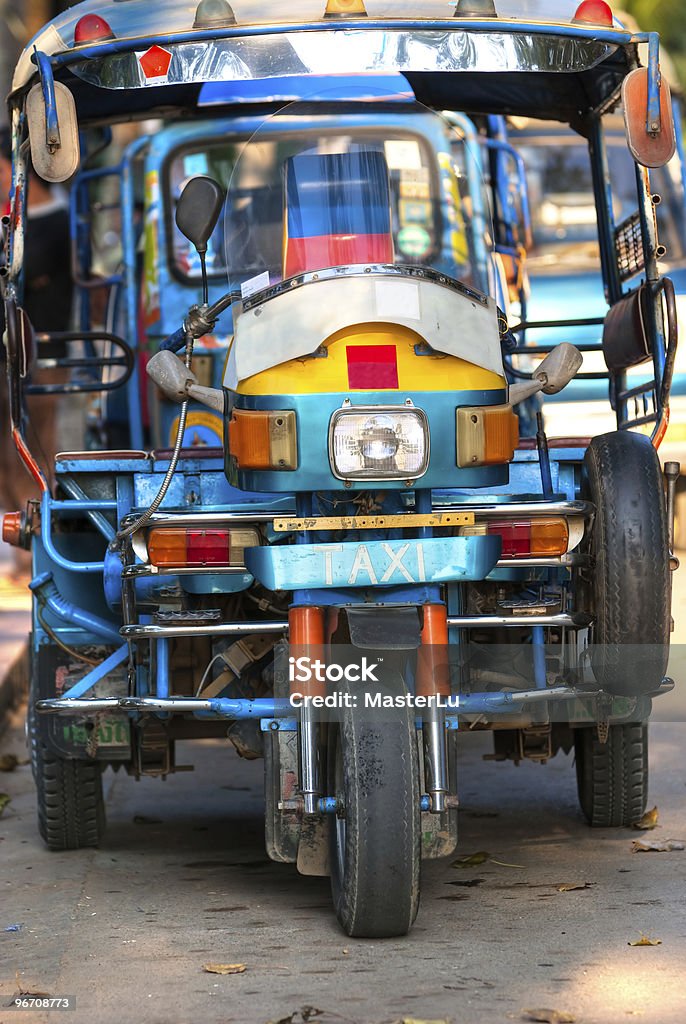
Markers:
308,194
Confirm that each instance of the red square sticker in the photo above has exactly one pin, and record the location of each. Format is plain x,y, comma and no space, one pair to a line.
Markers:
372,367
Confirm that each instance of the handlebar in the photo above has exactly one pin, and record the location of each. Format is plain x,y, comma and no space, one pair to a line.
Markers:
200,321
175,341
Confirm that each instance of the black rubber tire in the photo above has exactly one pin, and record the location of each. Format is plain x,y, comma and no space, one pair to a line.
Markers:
628,586
612,777
375,848
71,809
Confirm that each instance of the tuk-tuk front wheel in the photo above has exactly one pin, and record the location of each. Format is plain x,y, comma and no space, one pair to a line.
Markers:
375,837
626,586
612,777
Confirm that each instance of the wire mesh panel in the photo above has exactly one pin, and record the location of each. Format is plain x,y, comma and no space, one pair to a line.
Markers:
629,247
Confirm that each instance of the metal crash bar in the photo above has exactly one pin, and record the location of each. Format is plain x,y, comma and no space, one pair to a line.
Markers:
275,707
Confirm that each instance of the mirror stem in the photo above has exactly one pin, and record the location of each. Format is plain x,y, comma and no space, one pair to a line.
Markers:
203,271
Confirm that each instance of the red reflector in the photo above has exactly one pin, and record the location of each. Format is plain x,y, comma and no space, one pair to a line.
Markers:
372,367
155,62
208,547
594,12
91,28
516,537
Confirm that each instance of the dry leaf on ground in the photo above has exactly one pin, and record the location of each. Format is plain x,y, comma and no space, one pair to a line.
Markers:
645,941
8,762
5,799
417,1020
471,861
657,845
224,968
504,863
549,1016
649,820
573,886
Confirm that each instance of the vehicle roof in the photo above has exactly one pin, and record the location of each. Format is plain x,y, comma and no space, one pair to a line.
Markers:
546,65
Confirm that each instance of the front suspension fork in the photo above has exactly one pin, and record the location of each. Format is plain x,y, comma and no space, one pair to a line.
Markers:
433,681
306,630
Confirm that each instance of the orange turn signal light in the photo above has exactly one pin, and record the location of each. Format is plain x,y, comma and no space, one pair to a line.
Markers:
196,548
263,440
345,9
486,435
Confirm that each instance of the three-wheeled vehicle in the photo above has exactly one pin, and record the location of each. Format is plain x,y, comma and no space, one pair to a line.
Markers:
349,555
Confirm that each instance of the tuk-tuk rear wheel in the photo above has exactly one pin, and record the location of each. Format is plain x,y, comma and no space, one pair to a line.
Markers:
612,777
71,809
375,838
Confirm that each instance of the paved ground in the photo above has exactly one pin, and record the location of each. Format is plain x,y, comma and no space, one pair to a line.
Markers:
183,880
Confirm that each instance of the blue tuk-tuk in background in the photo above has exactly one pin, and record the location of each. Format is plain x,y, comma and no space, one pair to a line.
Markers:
320,535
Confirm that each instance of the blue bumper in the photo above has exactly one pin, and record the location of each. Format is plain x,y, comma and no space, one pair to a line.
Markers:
374,563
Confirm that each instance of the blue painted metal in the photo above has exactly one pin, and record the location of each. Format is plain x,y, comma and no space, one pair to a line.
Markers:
653,119
98,673
45,589
328,804
373,563
46,536
679,134
52,127
313,415
129,246
261,707
475,179
162,675
333,597
538,642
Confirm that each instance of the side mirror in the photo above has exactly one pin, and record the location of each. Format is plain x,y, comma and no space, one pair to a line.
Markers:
558,368
551,375
177,382
652,143
57,162
198,209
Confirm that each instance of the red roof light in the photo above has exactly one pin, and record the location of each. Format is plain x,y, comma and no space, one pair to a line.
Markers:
92,29
594,12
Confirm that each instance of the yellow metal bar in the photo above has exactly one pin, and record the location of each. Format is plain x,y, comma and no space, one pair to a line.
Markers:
408,520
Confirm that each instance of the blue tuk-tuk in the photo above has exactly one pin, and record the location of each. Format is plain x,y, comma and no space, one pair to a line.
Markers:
317,532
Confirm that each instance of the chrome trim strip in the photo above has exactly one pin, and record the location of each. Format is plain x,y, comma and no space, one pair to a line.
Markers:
522,508
138,632
560,620
361,270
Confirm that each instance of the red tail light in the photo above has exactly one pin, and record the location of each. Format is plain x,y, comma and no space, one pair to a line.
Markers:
91,28
531,538
594,12
195,548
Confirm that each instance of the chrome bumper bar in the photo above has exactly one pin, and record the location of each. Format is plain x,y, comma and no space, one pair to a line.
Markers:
137,632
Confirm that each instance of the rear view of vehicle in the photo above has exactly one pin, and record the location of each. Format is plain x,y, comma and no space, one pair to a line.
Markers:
371,559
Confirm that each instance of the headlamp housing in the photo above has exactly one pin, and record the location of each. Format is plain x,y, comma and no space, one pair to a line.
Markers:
385,442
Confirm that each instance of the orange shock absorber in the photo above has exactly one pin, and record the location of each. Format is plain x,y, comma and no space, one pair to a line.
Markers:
433,680
306,638
433,677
